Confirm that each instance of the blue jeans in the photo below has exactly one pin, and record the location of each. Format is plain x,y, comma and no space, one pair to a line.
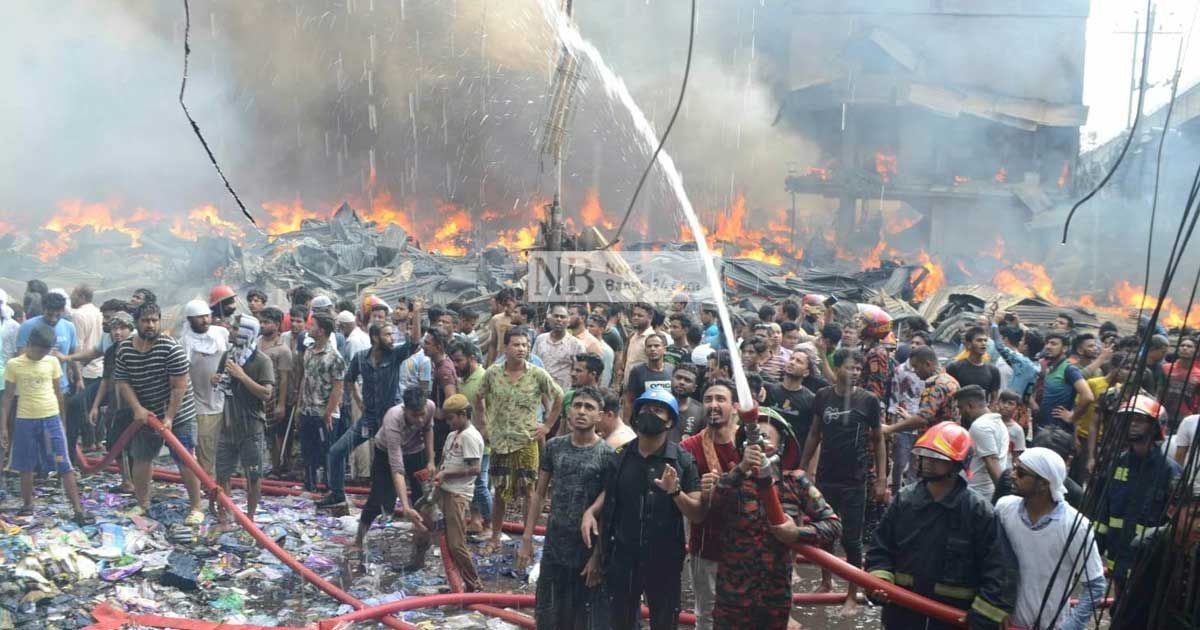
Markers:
483,497
313,442
335,471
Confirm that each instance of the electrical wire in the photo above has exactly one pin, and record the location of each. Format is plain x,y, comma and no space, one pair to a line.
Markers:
1162,141
687,70
1132,131
187,52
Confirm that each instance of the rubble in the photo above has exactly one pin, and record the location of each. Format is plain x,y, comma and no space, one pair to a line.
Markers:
52,572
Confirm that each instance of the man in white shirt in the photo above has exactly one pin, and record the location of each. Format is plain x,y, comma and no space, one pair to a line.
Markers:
1178,445
990,437
204,345
1054,546
357,339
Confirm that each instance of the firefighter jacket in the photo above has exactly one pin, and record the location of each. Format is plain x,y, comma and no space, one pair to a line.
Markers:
953,551
1135,498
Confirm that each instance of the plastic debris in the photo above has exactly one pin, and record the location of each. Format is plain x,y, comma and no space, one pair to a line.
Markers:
183,571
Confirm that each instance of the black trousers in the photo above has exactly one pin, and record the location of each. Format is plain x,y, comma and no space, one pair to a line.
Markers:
628,578
849,502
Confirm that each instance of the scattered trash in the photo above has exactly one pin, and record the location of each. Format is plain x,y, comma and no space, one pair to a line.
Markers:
52,572
183,572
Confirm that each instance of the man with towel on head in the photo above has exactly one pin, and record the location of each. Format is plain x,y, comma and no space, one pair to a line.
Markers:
1054,546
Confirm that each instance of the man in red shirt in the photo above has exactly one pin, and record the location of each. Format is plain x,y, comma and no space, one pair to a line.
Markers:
715,453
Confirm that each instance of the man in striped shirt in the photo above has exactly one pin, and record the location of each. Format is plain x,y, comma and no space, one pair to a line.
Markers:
152,378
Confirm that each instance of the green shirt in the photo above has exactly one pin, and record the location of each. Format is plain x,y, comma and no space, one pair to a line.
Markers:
512,408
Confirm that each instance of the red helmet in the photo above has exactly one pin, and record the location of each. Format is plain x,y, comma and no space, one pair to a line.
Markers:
1142,405
220,293
946,441
877,324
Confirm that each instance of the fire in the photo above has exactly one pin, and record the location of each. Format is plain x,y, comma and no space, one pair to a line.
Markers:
1027,280
759,254
997,250
74,215
885,165
959,180
46,250
210,219
1171,315
893,223
592,213
516,240
5,228
289,217
1001,175
1066,171
934,279
821,173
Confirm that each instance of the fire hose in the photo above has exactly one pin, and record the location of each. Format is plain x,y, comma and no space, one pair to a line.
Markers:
267,543
767,494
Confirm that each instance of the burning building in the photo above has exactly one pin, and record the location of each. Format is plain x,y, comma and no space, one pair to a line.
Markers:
966,114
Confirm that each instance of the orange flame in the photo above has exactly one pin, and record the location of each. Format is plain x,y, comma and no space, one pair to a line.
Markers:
933,281
1001,175
885,165
289,217
1027,280
1066,171
959,180
997,251
592,213
822,173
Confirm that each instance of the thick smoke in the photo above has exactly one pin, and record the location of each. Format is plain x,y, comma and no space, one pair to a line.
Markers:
446,98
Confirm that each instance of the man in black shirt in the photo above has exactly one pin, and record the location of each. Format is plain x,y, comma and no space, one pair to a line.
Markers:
651,485
655,373
974,369
846,427
691,414
790,397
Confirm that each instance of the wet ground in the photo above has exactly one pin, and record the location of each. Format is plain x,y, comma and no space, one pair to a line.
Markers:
52,573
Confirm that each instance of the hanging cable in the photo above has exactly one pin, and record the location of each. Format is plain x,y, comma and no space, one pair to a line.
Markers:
687,70
1132,131
1162,141
187,51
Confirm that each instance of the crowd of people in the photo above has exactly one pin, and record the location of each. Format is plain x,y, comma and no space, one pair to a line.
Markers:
957,478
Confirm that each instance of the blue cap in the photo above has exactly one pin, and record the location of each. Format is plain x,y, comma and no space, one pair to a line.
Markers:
658,395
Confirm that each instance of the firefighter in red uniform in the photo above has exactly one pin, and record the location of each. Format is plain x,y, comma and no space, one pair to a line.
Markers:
942,541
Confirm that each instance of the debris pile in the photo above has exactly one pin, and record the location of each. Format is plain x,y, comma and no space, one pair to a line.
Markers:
52,572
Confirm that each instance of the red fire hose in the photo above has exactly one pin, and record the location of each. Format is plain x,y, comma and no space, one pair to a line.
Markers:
88,466
270,545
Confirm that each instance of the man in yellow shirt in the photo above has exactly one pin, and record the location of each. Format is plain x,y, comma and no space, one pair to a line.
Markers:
38,443
1089,430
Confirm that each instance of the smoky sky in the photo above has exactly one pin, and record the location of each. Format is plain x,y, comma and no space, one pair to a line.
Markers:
449,96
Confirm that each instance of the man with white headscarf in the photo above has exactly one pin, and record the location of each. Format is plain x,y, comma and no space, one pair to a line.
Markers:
1054,546
204,345
245,380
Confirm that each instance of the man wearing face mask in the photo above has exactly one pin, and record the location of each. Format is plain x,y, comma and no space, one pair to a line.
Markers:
246,380
204,345
1137,493
650,487
942,541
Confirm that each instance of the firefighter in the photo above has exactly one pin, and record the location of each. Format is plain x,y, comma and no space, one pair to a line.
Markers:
1138,491
754,577
943,541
